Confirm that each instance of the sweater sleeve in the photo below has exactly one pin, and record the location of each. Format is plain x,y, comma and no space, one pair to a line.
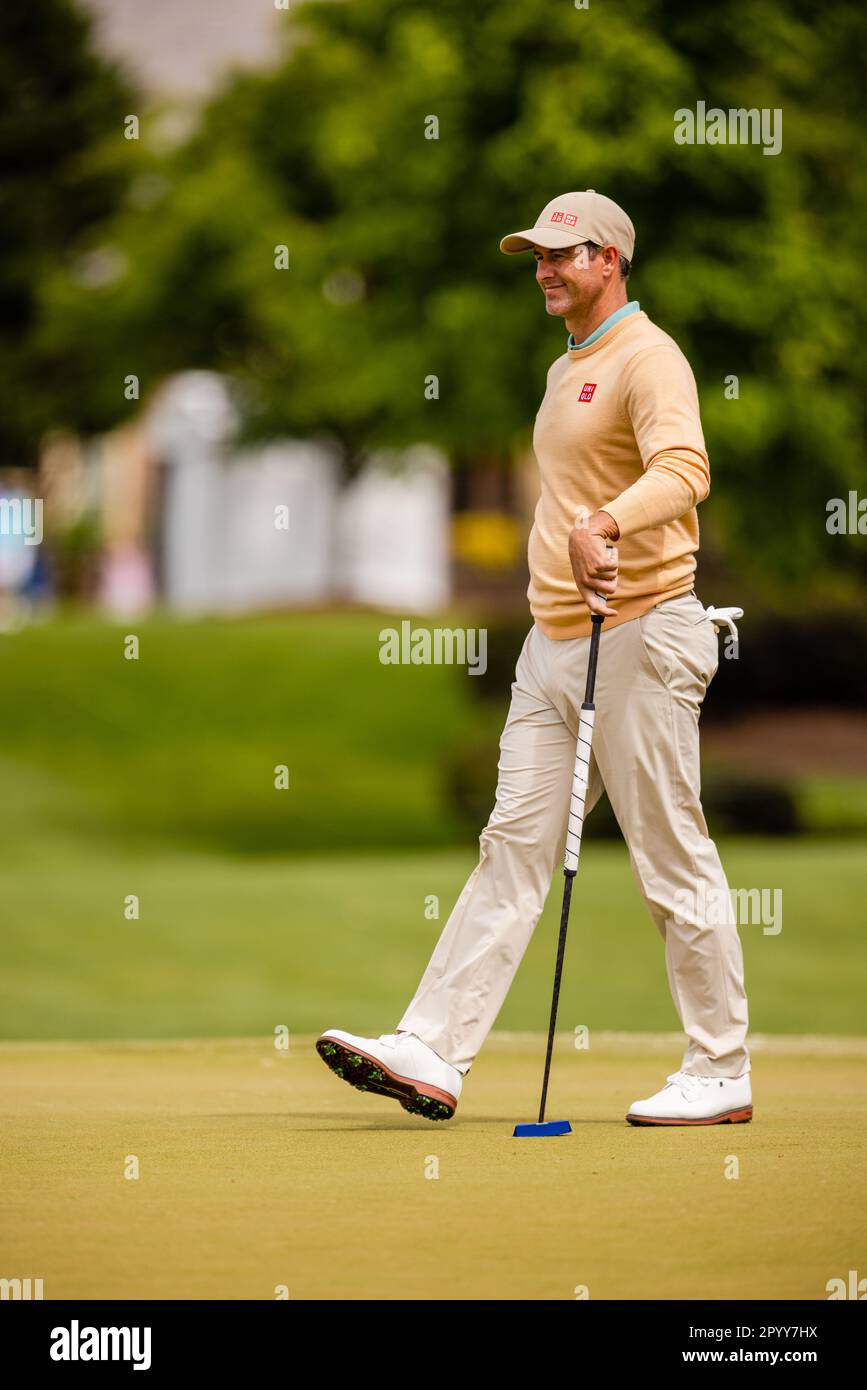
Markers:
661,401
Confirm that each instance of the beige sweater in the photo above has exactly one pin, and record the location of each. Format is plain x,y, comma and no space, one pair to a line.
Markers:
618,430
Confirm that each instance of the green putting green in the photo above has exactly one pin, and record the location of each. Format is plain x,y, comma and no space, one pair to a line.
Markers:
261,1175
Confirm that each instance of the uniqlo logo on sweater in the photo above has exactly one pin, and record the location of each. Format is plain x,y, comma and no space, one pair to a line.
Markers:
568,218
587,391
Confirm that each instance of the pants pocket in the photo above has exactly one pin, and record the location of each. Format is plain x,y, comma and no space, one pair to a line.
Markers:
655,646
681,645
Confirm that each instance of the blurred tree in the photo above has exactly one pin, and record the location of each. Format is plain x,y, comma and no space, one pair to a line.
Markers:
751,261
59,104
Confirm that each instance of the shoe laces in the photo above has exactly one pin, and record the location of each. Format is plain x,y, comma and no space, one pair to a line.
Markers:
687,1081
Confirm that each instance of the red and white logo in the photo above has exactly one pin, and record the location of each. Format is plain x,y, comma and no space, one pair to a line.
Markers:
567,218
587,391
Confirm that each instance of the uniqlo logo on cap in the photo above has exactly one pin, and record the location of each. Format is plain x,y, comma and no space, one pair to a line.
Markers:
587,391
556,216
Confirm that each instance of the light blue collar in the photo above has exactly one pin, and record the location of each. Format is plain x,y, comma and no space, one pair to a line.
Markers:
631,308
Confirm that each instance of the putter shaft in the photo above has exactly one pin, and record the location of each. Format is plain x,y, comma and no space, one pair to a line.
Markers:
573,838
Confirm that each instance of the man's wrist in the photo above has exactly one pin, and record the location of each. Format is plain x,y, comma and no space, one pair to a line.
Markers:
603,524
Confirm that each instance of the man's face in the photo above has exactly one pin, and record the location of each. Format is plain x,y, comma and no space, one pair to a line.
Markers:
569,280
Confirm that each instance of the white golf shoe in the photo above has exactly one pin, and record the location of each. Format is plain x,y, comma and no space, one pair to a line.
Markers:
398,1065
696,1100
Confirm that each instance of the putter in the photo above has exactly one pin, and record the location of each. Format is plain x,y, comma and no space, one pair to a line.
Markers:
580,778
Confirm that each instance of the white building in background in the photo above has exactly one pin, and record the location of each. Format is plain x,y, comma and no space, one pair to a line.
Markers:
272,526
280,504
394,531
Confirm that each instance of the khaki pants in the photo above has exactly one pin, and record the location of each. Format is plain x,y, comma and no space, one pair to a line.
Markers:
653,673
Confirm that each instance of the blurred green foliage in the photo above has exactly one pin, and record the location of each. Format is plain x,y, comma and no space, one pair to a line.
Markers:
61,109
752,262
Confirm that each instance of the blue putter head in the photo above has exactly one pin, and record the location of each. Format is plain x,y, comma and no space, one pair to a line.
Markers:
543,1131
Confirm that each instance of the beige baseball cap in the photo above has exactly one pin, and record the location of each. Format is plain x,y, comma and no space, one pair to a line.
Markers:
575,217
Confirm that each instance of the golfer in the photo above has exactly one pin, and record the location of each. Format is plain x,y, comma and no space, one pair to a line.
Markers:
622,465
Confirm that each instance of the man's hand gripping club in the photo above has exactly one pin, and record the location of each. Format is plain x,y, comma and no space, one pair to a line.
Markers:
594,561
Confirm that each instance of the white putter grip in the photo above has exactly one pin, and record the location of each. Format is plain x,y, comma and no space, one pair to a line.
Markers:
580,783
